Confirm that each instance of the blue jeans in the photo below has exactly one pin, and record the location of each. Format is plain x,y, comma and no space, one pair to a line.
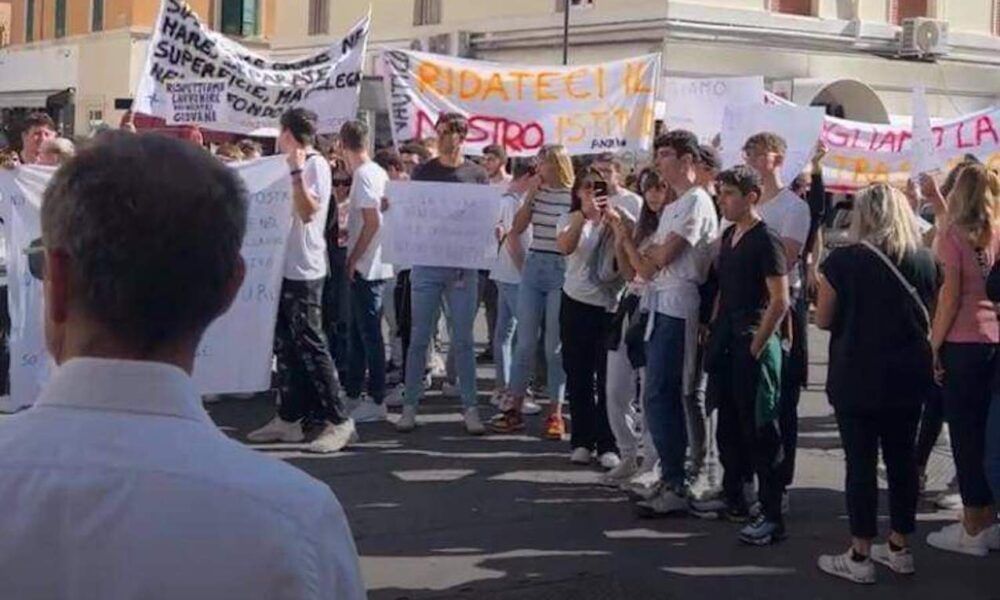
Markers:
459,289
366,354
503,332
992,462
540,293
664,396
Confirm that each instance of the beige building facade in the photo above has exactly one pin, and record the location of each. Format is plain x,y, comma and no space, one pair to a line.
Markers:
843,52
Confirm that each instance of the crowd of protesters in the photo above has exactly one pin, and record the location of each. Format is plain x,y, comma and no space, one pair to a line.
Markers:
669,305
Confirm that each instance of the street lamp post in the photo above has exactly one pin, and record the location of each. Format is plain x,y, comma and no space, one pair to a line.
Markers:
566,9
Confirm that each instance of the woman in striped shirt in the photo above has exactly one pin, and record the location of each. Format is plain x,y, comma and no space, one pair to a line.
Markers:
540,293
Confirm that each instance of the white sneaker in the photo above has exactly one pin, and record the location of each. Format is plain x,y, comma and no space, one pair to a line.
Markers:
842,565
949,501
900,562
473,424
333,438
278,431
609,460
703,488
627,467
394,399
450,390
667,501
955,538
580,456
408,420
436,365
368,412
530,407
497,398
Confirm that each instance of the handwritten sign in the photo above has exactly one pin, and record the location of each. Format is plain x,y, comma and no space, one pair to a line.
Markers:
699,105
441,225
196,102
587,108
799,126
235,353
257,90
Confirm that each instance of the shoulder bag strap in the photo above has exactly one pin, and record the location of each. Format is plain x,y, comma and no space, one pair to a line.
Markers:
912,291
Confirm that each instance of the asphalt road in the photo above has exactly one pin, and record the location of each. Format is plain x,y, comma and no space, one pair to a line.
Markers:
439,514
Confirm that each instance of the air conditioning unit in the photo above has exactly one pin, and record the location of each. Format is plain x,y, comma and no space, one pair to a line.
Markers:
923,38
450,44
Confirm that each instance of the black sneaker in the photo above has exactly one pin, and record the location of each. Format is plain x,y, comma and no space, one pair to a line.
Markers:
762,532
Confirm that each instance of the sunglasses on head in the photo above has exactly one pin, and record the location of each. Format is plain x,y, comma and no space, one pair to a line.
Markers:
341,182
36,259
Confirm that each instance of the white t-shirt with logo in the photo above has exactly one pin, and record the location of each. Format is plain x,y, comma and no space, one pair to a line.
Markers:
504,270
305,251
788,216
578,284
692,217
367,190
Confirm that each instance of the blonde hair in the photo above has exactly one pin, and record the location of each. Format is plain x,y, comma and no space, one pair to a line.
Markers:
556,155
230,151
882,217
972,203
62,148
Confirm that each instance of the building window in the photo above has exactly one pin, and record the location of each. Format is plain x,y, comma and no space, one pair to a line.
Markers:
792,7
996,17
561,4
906,9
426,12
29,20
319,17
60,18
240,18
97,15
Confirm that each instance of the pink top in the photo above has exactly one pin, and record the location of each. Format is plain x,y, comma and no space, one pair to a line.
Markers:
976,321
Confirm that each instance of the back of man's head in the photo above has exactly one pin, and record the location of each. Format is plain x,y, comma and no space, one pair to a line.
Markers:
354,136
149,230
682,142
301,124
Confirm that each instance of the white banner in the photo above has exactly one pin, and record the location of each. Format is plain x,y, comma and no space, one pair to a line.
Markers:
257,90
699,105
587,108
235,354
799,126
441,224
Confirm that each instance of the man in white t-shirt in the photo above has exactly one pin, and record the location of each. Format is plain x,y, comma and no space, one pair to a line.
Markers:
788,216
621,198
368,274
682,253
304,362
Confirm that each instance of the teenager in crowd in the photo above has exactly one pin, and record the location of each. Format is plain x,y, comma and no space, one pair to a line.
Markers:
743,359
391,161
229,152
964,340
413,155
880,372
308,383
506,275
584,319
337,287
251,149
787,215
540,293
368,274
626,351
36,129
992,462
623,200
457,287
681,254
495,163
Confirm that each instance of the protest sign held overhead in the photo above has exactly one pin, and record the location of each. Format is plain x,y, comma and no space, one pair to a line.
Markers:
699,105
587,108
255,90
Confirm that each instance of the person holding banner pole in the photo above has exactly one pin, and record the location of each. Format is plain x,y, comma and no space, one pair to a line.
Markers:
540,293
459,288
304,361
789,216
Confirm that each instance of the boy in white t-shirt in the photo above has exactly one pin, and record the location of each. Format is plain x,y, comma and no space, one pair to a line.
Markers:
788,216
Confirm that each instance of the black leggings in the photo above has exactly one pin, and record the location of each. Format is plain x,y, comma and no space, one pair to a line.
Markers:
931,424
585,359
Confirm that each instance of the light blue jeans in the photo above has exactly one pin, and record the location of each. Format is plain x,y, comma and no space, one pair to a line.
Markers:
459,289
503,332
540,293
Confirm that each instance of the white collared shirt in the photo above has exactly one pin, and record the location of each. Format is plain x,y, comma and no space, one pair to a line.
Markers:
117,484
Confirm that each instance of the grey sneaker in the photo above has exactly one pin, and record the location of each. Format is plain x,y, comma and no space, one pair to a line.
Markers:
278,431
899,561
408,420
667,501
845,567
473,424
368,412
333,438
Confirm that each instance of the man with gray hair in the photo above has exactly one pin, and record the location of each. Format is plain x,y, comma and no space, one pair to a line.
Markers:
123,486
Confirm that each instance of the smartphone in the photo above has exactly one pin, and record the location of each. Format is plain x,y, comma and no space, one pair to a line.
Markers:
123,104
600,189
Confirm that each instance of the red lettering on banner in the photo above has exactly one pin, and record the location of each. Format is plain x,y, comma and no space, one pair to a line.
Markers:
984,126
512,135
961,142
938,136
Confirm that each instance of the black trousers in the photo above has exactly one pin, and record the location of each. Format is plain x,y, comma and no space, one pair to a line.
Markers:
968,374
931,424
307,380
746,448
4,342
793,374
404,311
861,434
583,331
337,309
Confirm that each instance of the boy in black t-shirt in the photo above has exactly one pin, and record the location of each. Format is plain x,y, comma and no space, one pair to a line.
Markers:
744,358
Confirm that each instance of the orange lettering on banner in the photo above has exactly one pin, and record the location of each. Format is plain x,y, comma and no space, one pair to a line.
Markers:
496,86
428,76
520,76
634,74
464,92
564,123
542,84
601,92
571,81
623,117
